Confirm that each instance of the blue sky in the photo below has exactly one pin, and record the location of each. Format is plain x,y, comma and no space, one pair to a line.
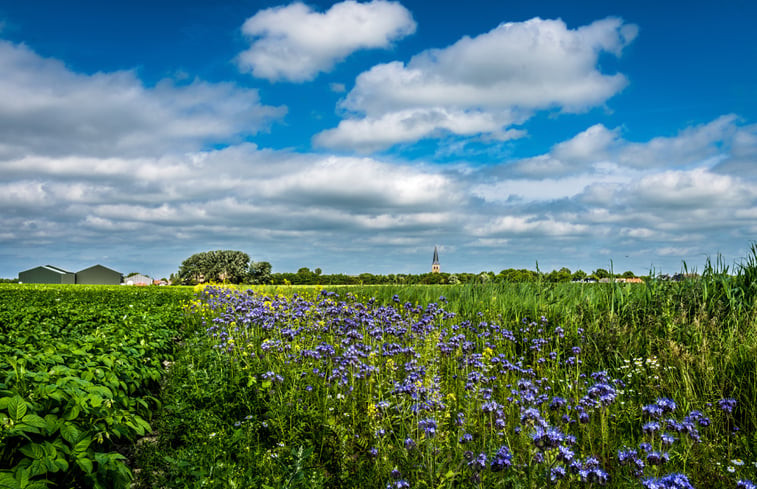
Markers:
356,136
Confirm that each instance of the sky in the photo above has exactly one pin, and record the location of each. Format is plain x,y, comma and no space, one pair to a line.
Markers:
356,136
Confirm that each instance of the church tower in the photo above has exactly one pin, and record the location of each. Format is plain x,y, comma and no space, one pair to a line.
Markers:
435,263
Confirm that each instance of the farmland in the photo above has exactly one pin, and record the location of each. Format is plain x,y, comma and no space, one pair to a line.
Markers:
79,367
500,385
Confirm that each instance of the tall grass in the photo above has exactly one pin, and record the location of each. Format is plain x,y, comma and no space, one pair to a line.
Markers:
705,328
694,341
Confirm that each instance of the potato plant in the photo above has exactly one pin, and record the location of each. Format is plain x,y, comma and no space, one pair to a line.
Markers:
78,370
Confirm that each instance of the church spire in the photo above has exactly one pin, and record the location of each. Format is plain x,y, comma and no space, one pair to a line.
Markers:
435,263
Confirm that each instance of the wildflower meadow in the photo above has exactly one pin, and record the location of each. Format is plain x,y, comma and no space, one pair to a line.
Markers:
649,385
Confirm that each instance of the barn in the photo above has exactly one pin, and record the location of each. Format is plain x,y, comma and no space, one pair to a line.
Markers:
98,275
46,274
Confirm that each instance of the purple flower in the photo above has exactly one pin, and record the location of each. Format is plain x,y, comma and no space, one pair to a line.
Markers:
657,458
428,426
666,404
667,439
651,427
626,456
545,439
670,481
557,473
746,484
565,454
557,403
502,459
478,463
399,484
727,405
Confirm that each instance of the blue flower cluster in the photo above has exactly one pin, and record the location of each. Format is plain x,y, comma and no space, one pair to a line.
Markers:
412,381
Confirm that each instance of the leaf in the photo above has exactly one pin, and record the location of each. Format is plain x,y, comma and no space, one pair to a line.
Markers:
4,402
70,432
95,400
36,468
52,422
7,481
82,445
33,451
73,413
22,477
25,428
51,465
61,463
34,420
16,408
85,464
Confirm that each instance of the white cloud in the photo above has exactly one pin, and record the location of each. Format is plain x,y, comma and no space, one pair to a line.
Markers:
295,43
406,126
47,109
531,225
504,75
693,189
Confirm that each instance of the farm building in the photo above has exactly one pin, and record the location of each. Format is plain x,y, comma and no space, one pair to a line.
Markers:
46,274
138,279
98,275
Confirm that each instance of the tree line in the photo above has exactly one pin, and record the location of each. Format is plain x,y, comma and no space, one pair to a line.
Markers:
236,267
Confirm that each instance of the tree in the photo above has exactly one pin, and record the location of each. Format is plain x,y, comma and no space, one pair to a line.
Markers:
562,275
601,273
260,273
578,275
215,266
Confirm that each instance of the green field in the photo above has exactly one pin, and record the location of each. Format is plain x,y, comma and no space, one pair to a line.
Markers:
502,385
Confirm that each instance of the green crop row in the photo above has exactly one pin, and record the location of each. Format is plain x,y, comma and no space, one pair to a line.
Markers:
78,367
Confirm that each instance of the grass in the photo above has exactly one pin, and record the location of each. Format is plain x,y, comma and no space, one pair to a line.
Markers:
234,419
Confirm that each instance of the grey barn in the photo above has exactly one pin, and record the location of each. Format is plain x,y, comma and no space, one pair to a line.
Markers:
48,274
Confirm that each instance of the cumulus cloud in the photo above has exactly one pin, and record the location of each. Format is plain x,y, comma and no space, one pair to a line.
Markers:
235,187
407,126
645,199
295,43
47,109
501,77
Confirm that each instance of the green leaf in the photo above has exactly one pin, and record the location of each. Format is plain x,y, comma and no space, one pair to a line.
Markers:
4,403
16,408
70,432
95,400
22,477
51,465
33,451
85,464
36,468
52,422
73,413
82,445
34,420
25,428
7,481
